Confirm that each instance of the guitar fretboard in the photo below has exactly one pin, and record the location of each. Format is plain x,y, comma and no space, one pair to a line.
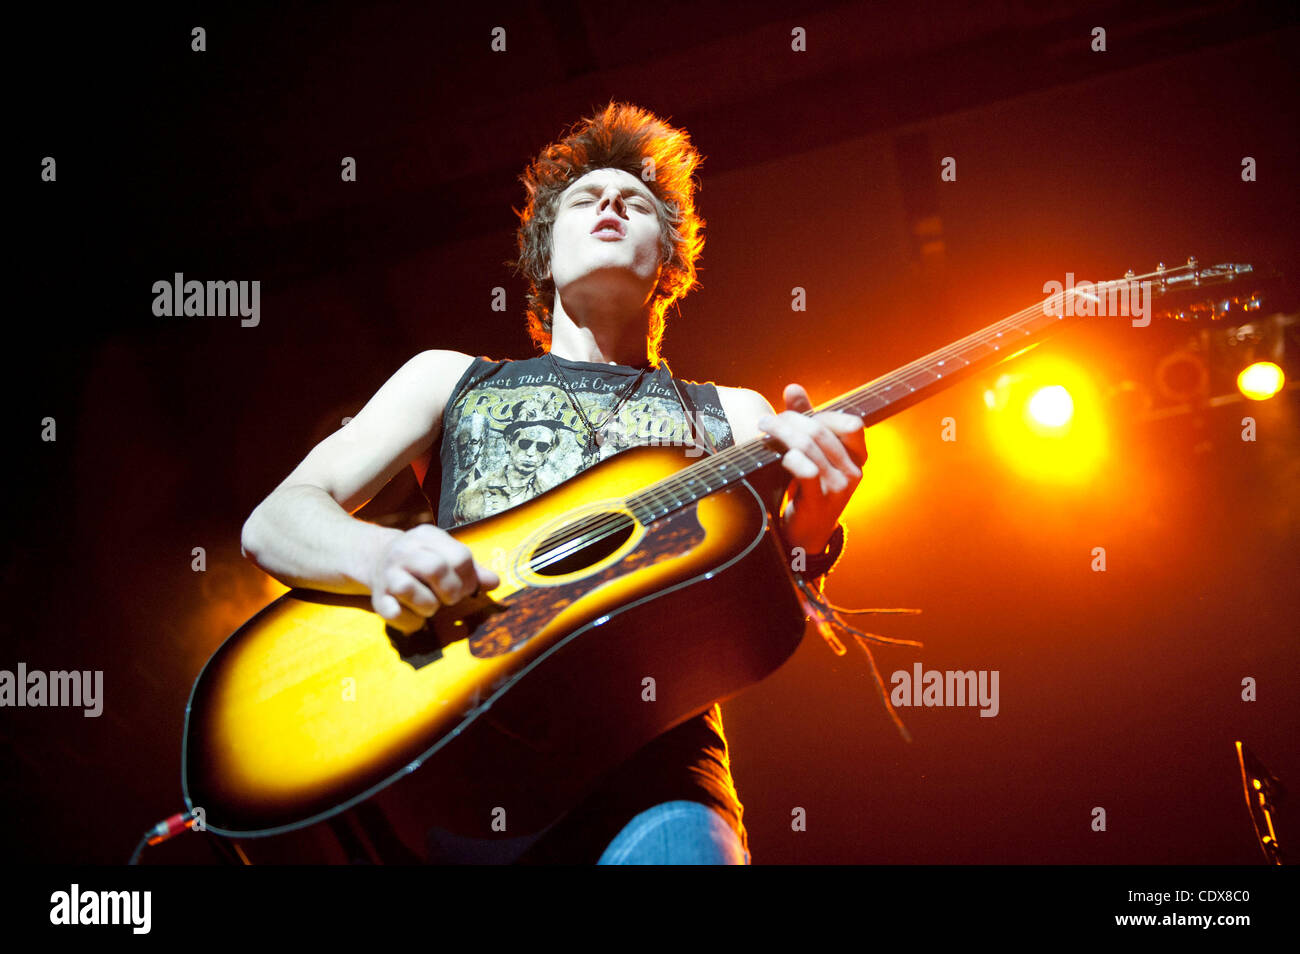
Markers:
900,389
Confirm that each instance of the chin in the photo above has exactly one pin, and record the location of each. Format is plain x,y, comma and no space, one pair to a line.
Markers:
618,271
606,283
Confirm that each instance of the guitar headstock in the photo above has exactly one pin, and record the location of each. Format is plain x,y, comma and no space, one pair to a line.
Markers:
1182,293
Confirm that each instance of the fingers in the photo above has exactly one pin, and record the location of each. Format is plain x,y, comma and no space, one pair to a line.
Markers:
816,446
386,606
487,577
830,480
851,433
847,427
454,578
798,463
404,620
402,583
426,569
403,601
796,398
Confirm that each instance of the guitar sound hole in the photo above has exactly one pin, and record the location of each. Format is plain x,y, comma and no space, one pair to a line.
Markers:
580,544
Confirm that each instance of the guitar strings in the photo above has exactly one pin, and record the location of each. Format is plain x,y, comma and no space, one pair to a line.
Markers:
667,490
983,337
754,451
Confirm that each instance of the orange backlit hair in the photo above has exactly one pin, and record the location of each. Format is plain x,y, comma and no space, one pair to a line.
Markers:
621,136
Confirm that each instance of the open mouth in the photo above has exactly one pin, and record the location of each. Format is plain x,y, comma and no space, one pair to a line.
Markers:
608,227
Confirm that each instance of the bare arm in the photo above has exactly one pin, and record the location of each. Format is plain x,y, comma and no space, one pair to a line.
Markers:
301,536
303,533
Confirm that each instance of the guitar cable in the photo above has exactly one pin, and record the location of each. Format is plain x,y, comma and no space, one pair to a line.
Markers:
170,827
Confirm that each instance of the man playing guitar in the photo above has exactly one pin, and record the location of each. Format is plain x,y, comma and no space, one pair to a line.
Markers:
608,242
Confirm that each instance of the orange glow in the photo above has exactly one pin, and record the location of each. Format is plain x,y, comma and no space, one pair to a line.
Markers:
887,469
996,397
1261,380
1046,421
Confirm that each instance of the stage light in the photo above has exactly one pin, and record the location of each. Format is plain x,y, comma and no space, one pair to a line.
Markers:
1046,421
1261,380
1051,407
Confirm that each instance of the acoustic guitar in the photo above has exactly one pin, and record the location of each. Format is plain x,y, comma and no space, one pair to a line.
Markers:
651,565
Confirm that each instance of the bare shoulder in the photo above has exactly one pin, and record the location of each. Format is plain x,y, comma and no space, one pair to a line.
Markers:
743,408
418,391
424,385
435,372
397,426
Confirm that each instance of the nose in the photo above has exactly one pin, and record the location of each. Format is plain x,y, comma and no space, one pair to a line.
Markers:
611,198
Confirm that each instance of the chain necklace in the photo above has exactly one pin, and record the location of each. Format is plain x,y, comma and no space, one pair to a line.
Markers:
594,433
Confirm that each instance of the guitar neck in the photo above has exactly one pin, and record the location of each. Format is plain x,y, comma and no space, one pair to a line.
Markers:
873,402
914,382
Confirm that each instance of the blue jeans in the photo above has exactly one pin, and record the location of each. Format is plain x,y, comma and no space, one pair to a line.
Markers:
676,833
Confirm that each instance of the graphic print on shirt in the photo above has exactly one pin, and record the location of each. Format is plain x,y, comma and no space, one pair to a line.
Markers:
516,434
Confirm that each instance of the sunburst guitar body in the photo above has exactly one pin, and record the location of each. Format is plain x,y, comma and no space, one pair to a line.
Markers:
620,614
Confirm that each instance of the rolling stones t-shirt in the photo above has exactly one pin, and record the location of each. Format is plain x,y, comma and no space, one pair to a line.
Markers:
510,431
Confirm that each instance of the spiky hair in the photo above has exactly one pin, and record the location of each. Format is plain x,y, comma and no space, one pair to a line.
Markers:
621,136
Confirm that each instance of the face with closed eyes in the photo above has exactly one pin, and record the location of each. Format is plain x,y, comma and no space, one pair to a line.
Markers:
605,240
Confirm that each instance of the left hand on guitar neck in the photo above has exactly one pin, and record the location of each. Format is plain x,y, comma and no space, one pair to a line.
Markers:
825,454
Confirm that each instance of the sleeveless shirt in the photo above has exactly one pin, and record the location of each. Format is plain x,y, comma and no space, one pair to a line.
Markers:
510,432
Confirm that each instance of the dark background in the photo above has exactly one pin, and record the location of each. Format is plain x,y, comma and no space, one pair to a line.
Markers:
1118,689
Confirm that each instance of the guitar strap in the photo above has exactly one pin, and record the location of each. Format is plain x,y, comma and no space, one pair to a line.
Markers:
692,414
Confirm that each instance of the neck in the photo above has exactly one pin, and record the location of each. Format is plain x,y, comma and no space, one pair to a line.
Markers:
601,339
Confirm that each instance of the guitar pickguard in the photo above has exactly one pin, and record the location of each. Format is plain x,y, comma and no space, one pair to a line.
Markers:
528,611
